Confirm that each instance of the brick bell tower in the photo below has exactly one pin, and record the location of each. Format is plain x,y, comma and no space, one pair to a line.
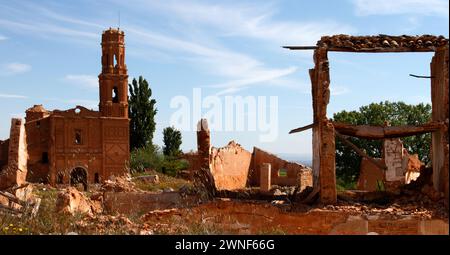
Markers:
114,77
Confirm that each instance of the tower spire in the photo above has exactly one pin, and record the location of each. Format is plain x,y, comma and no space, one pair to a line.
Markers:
114,77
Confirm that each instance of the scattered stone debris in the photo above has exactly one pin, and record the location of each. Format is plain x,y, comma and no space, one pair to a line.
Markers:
72,201
255,217
119,184
154,179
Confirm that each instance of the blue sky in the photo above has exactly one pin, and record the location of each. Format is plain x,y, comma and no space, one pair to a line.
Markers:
51,55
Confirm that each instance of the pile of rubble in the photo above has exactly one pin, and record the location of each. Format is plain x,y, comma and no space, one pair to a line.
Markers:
402,207
382,41
418,198
119,184
72,201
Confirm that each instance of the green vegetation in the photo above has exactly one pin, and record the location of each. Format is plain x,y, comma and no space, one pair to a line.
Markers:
342,185
152,158
141,111
165,182
398,113
144,154
172,142
47,221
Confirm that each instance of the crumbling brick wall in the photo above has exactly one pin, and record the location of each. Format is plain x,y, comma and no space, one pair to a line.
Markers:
393,158
203,143
324,167
230,166
305,179
15,172
194,161
440,112
370,175
402,168
38,139
323,133
4,146
294,172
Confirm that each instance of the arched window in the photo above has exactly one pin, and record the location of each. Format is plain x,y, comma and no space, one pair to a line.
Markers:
116,60
79,175
115,95
78,139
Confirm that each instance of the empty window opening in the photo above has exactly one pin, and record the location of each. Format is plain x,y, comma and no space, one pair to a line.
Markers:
364,83
44,159
38,124
116,61
282,172
115,95
360,79
96,178
78,139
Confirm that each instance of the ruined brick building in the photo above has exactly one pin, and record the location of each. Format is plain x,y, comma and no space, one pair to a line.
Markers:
81,145
234,168
325,130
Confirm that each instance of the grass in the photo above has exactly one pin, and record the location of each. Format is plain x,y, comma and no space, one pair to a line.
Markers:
342,185
165,182
47,220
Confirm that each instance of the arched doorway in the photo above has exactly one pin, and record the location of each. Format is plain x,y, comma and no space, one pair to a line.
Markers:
79,175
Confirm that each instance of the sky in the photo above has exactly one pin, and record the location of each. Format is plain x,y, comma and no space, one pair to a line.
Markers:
50,54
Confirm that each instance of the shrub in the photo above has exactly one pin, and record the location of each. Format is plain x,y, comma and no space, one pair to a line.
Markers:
151,157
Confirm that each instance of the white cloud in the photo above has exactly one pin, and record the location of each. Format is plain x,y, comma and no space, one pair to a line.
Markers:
200,44
204,26
261,76
240,69
393,7
14,68
249,20
46,29
35,20
230,90
13,96
3,38
90,81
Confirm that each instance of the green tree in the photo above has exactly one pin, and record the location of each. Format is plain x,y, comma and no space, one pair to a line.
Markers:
396,113
141,111
172,141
